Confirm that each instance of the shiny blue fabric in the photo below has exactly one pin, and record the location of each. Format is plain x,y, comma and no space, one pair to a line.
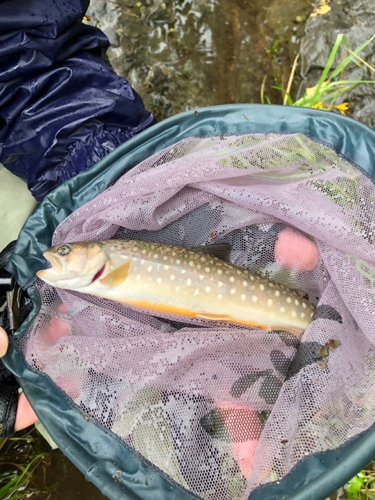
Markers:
62,108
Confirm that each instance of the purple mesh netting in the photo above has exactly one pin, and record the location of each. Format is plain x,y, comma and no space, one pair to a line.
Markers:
222,409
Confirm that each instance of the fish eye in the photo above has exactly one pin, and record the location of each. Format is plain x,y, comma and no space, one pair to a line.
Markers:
64,250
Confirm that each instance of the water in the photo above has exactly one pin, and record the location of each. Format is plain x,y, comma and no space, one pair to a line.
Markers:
188,53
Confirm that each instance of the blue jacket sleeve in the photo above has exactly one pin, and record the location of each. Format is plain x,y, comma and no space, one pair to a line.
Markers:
62,108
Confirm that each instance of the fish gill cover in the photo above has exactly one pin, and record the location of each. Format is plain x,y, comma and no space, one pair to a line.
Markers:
223,408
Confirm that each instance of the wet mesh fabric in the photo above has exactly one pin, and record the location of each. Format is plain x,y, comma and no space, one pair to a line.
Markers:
219,408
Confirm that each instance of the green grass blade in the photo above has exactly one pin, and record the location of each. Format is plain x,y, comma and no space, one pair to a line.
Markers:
327,94
350,58
323,76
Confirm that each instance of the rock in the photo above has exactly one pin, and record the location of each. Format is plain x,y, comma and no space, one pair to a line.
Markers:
112,36
355,19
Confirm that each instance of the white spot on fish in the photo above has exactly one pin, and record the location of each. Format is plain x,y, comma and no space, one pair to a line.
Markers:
231,279
252,278
302,315
178,262
220,296
282,309
158,281
149,269
143,251
220,283
191,263
270,284
188,282
304,305
196,292
166,268
207,269
254,298
201,276
269,302
198,266
243,297
173,254
244,283
165,257
296,302
172,277
294,314
261,287
277,293
183,271
203,259
142,262
138,277
208,289
311,315
233,291
219,271
289,300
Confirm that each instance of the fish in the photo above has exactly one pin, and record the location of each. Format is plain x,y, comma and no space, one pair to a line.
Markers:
183,281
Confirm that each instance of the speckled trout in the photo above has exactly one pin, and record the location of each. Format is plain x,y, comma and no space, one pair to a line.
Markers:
177,280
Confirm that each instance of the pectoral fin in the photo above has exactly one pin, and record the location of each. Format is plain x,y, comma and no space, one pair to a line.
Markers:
117,276
302,294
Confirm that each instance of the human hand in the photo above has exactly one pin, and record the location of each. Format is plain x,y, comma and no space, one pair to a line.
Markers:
25,415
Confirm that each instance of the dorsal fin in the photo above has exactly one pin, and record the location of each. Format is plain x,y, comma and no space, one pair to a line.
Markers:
219,250
302,294
117,276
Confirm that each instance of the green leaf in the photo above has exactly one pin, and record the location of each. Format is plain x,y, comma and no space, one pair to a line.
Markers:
354,486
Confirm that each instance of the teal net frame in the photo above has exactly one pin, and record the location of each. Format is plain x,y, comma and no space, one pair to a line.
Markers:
104,459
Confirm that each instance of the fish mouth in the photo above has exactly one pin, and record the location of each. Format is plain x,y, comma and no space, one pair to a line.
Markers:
49,275
52,277
54,261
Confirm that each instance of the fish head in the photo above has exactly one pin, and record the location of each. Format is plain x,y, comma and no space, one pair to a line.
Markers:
74,265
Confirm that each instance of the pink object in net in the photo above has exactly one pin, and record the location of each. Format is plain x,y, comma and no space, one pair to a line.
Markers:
295,251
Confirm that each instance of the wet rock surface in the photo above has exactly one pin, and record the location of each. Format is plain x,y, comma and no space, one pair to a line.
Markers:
190,53
356,20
